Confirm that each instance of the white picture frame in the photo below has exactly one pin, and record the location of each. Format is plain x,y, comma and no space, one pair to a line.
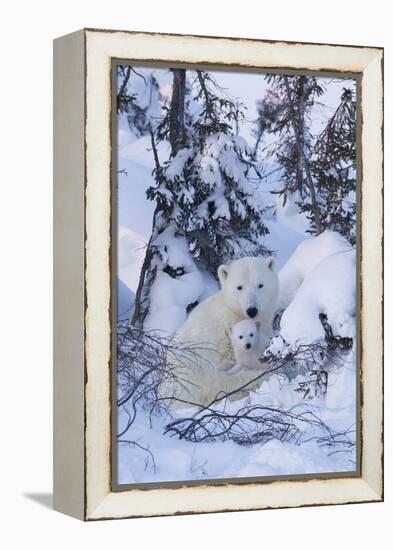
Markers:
82,257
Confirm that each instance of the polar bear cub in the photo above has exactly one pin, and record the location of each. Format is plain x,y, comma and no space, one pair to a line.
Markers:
248,343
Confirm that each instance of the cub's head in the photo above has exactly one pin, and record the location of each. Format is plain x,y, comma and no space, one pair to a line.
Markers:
249,285
244,335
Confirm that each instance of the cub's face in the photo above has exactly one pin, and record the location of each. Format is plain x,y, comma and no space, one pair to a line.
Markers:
244,335
248,285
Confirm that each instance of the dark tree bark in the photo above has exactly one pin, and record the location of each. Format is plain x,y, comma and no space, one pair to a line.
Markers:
300,125
141,308
176,115
299,140
140,311
176,139
127,74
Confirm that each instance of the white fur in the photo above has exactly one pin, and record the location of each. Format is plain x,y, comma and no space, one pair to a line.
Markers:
248,343
249,286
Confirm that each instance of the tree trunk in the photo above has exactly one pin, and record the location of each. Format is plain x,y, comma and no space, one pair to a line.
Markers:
176,139
139,314
300,148
300,125
258,141
140,311
176,115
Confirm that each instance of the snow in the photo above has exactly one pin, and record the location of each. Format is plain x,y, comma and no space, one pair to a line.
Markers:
288,214
131,252
317,275
139,151
282,241
223,148
125,301
132,186
307,256
177,163
326,284
134,211
329,288
170,296
178,460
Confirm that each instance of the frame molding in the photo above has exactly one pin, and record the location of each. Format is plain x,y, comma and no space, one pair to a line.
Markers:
83,391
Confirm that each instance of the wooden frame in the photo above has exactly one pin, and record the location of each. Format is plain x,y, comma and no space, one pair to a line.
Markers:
82,240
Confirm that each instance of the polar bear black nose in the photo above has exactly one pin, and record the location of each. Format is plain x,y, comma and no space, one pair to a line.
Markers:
248,345
251,312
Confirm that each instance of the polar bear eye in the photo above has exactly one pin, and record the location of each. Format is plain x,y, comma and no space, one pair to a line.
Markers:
239,288
241,337
252,334
260,286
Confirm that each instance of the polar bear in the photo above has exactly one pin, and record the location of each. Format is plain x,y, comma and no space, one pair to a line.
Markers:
248,343
249,290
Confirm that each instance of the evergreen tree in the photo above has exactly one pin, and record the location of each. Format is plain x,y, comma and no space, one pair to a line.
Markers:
164,227
268,109
205,205
215,204
334,169
292,122
143,105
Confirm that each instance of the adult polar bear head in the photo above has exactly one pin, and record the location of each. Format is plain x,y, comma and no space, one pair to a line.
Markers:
249,286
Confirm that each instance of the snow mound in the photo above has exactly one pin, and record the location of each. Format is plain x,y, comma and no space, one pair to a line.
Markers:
329,288
289,215
134,210
172,292
177,459
306,257
139,151
131,253
125,301
281,241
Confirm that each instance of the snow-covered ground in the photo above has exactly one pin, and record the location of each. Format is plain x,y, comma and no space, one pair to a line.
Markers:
317,275
176,459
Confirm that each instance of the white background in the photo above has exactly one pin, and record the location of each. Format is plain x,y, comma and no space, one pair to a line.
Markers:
26,303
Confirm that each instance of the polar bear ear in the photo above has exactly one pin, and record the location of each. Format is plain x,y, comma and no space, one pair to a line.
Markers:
222,273
271,263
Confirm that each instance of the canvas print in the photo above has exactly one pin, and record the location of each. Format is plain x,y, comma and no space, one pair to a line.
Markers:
235,292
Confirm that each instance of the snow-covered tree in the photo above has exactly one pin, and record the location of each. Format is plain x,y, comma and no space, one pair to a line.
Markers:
203,196
216,205
268,109
164,228
334,169
143,103
205,188
292,123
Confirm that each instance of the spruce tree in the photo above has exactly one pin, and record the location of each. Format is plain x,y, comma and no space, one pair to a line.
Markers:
164,227
268,109
140,108
216,206
334,169
292,123
203,196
